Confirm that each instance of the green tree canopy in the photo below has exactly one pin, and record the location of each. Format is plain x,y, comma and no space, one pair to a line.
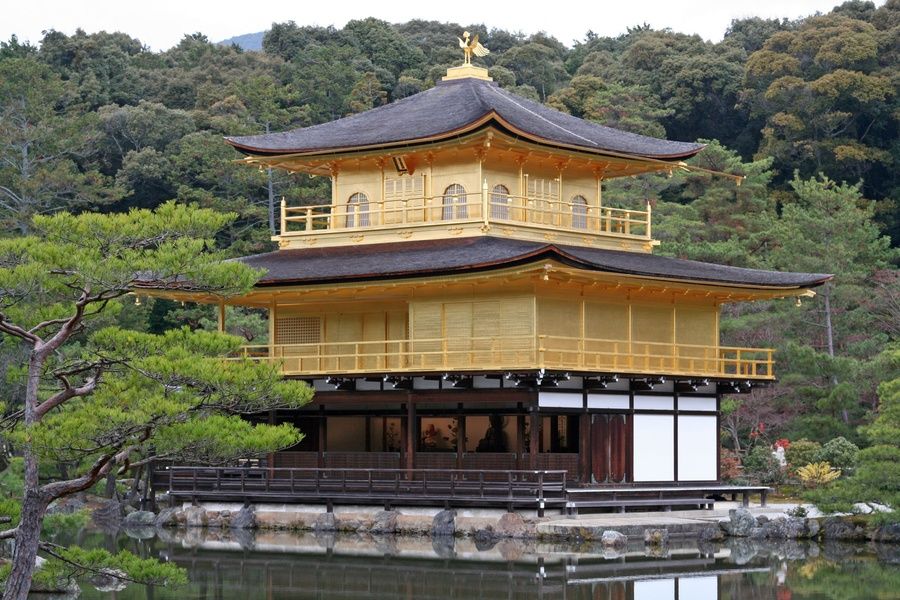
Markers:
100,398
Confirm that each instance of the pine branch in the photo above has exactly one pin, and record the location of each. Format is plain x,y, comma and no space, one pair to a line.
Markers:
67,393
17,331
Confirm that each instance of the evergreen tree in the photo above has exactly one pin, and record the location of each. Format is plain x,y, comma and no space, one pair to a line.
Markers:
132,396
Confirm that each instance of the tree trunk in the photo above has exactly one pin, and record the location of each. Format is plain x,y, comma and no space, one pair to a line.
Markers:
829,338
27,539
33,503
110,490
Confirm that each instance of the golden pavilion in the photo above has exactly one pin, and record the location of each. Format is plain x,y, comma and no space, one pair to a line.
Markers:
470,310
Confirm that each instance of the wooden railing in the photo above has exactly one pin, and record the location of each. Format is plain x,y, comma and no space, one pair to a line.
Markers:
516,353
436,487
467,208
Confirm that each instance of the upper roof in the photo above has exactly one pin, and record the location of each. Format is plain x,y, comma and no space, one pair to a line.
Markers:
419,259
455,106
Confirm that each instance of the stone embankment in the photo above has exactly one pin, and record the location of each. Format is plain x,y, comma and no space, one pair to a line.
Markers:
612,531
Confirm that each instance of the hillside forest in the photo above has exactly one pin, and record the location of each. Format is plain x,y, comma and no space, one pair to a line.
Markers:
807,110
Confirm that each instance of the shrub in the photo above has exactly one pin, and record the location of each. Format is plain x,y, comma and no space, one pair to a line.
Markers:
66,523
730,465
817,474
762,466
801,453
840,452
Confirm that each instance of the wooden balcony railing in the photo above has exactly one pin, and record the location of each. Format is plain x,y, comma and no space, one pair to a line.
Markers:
482,354
432,487
481,208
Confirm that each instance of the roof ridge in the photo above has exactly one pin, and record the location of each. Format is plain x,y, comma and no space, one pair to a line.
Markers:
390,105
486,107
545,119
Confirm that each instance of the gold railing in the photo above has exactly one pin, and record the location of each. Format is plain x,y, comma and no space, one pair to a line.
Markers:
470,208
516,353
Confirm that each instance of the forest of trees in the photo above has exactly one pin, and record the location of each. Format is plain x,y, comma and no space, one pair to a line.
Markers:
807,110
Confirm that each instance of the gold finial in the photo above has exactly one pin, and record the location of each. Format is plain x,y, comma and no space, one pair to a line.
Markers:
470,48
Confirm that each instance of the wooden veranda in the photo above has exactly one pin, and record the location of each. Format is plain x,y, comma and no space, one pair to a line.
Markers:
536,490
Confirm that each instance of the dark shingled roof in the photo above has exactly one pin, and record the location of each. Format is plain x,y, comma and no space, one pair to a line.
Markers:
419,259
453,106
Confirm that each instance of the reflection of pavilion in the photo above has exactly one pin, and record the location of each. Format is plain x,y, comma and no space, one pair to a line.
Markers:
289,566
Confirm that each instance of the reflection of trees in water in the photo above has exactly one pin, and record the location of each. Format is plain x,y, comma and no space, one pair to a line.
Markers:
853,578
319,568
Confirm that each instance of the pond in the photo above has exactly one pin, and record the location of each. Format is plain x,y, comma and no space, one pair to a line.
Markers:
281,565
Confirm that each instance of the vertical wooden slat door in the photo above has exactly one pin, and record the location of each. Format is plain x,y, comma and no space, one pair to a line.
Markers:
600,451
609,453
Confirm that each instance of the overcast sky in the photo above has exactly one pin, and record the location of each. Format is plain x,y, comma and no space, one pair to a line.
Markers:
160,24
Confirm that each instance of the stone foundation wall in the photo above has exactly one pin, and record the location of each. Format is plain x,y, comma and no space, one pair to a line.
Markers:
491,525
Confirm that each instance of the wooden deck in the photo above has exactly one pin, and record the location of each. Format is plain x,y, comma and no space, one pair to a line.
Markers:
666,497
510,489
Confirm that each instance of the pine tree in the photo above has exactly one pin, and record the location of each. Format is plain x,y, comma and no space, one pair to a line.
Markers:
105,399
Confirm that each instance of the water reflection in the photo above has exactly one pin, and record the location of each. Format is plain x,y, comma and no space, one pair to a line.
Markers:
281,565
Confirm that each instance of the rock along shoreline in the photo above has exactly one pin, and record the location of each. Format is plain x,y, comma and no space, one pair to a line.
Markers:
612,531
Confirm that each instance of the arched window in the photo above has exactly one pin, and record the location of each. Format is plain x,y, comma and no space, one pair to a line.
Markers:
358,206
500,202
579,212
455,202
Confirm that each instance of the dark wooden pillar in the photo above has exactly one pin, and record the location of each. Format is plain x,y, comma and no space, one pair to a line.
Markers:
403,435
585,445
412,433
460,435
520,441
534,440
323,435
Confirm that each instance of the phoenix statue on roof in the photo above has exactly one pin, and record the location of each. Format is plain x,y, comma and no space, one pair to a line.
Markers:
472,47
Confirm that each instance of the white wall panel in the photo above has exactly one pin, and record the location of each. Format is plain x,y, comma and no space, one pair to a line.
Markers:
654,445
654,402
707,403
697,440
560,400
613,401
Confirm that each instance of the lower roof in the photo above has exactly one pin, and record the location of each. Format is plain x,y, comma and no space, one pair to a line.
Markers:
466,255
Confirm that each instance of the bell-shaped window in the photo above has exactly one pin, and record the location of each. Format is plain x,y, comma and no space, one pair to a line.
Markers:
358,210
454,204
579,212
500,202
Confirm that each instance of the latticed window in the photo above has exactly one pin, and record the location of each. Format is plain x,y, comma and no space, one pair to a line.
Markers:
500,202
543,189
455,202
358,210
579,212
298,330
404,188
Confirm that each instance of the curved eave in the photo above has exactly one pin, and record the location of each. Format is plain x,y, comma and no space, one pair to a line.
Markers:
486,119
553,253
